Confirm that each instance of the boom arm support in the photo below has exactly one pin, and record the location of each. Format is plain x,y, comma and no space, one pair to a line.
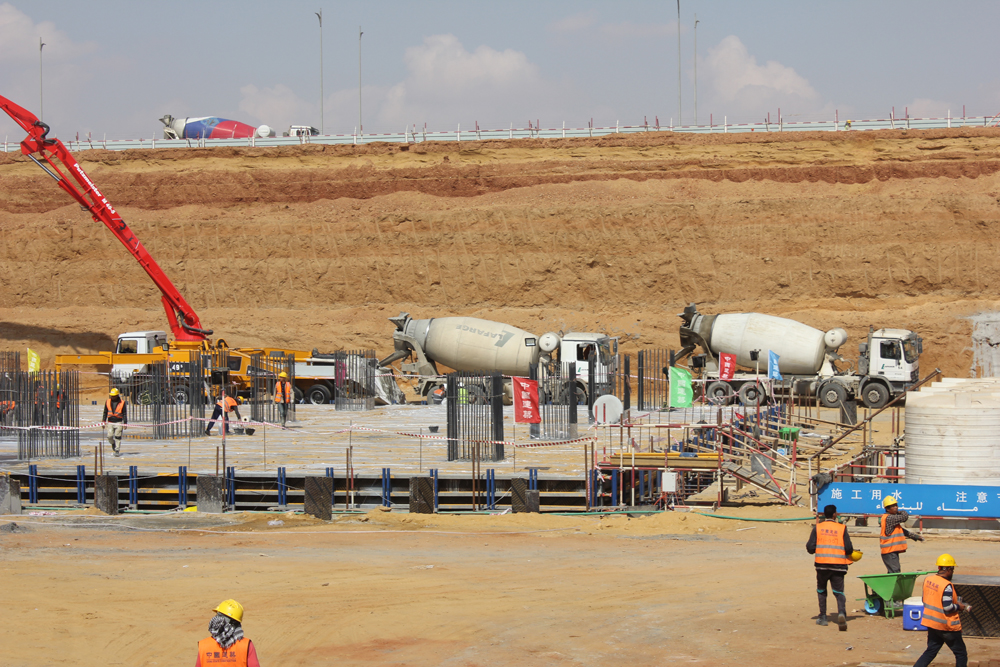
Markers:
184,322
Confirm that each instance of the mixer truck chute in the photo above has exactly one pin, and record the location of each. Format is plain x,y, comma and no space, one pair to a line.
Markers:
808,358
473,344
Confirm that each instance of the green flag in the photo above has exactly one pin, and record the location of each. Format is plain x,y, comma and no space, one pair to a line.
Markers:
681,393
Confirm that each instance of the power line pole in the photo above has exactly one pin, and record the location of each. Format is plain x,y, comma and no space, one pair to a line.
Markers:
322,117
41,95
680,120
361,130
695,69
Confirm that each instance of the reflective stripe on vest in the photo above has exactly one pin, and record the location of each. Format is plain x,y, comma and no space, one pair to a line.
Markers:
934,616
116,410
210,653
283,392
895,542
830,544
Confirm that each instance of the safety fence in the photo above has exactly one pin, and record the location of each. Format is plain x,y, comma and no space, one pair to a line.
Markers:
534,130
42,409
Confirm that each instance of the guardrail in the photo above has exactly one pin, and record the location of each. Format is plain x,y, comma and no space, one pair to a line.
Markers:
532,132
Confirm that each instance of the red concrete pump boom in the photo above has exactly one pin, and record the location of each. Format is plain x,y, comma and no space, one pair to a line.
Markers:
184,322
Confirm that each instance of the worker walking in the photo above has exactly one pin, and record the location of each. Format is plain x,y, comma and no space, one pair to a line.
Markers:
941,615
892,536
283,396
115,418
832,546
225,404
226,644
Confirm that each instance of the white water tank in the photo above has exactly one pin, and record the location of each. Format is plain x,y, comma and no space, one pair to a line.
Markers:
953,433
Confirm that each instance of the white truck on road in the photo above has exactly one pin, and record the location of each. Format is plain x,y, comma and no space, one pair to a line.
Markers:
888,360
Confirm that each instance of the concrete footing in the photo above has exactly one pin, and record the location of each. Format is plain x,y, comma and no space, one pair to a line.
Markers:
106,494
211,494
318,500
10,495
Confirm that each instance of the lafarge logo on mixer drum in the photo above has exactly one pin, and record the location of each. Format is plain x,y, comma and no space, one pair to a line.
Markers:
503,337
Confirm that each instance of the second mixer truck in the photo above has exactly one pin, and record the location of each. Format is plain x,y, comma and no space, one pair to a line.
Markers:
888,360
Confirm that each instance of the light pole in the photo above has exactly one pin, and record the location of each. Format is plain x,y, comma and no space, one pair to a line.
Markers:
361,129
319,15
41,96
680,120
696,69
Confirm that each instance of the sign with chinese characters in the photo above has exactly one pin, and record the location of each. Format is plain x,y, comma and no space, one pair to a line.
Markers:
917,499
526,401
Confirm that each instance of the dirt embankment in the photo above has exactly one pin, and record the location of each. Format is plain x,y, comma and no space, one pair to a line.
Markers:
315,246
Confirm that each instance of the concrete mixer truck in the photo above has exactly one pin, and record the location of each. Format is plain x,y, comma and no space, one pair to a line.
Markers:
473,344
888,360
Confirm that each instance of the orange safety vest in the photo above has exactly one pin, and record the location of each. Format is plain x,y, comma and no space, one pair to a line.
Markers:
283,392
934,616
893,543
60,396
229,405
210,653
116,410
830,544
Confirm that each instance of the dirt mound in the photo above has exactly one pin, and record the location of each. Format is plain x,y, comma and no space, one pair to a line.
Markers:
315,246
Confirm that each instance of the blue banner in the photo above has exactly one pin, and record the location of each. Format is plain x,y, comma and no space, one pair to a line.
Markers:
917,499
772,366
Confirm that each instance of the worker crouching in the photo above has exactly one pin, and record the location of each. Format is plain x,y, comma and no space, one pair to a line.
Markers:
832,546
226,644
115,418
227,405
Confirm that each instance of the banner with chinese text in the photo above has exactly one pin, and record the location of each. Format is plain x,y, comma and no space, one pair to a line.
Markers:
727,366
917,499
526,401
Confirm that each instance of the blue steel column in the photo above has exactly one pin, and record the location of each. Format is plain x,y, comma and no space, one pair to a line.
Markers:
434,474
231,486
182,488
81,485
33,484
133,486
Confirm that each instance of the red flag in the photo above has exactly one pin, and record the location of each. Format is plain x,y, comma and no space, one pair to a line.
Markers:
727,366
526,401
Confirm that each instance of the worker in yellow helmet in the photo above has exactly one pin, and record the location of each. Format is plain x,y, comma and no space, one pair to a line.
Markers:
941,615
226,644
284,394
115,417
892,536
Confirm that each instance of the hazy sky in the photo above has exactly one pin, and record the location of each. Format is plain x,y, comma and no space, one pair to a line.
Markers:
113,67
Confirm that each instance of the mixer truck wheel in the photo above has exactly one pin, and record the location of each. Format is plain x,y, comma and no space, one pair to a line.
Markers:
477,395
318,394
875,395
751,394
832,395
719,392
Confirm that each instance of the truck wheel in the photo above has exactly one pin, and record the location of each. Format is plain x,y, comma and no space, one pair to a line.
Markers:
181,395
875,395
297,394
477,395
719,392
751,394
318,394
832,395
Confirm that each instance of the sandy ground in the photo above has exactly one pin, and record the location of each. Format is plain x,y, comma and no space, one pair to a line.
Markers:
395,589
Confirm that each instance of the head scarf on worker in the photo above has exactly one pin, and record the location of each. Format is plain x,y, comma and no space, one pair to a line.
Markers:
225,630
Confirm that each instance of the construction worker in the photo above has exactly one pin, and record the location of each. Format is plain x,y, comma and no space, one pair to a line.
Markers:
463,394
115,418
226,644
892,536
832,546
283,396
58,405
228,404
941,615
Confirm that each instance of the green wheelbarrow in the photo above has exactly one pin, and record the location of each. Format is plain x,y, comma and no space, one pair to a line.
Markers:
885,593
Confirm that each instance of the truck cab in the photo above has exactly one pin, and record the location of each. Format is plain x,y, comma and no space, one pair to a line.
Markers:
893,354
138,342
583,349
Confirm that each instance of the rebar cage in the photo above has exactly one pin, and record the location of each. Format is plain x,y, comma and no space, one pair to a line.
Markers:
41,408
475,416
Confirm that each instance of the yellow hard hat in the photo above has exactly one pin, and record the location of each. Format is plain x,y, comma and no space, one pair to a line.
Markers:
855,556
945,560
113,392
890,500
232,609
282,374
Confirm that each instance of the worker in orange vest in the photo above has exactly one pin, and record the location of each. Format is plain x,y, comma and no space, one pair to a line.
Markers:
832,546
284,394
227,404
115,418
227,645
941,615
892,536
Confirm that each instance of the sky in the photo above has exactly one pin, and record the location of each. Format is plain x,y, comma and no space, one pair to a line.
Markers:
112,68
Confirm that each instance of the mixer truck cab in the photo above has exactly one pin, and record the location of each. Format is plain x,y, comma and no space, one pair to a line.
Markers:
583,349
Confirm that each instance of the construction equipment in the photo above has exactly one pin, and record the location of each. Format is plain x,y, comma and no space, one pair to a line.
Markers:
473,344
211,127
884,593
888,362
137,351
